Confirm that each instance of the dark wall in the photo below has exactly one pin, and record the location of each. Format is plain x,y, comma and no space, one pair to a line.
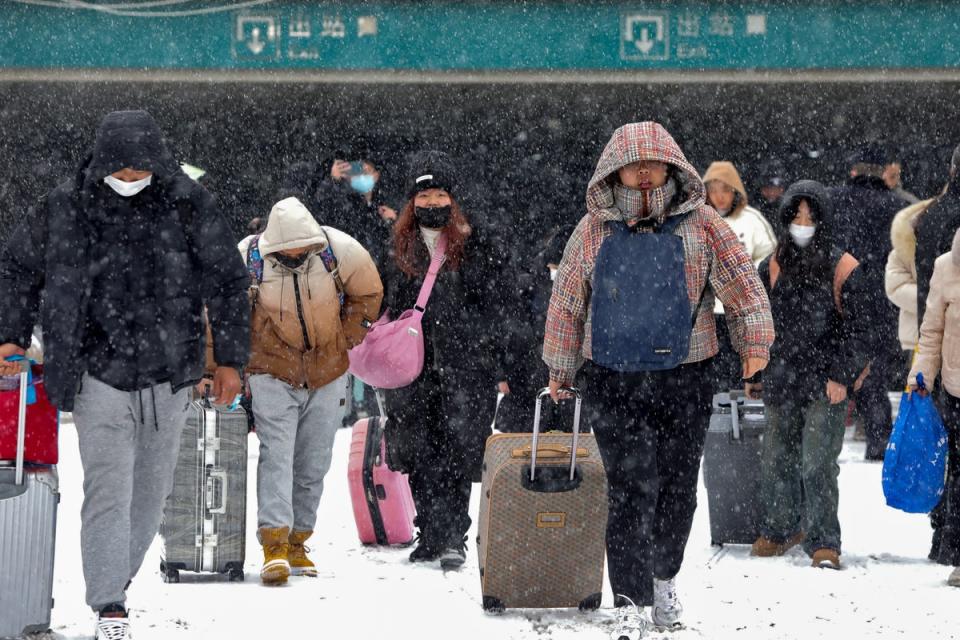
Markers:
526,151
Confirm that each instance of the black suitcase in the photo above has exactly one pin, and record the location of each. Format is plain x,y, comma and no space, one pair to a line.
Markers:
204,520
731,468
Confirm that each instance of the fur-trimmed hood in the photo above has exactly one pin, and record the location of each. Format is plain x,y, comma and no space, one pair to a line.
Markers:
955,250
903,235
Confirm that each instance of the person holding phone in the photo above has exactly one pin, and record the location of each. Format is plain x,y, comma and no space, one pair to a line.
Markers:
126,254
352,201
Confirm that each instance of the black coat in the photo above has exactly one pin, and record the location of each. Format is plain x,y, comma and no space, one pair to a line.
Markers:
118,275
462,325
814,342
935,232
865,208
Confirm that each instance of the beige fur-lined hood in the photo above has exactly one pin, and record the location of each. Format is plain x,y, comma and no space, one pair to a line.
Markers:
955,249
903,235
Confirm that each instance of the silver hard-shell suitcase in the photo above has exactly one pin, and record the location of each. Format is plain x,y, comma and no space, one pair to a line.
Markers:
204,519
28,524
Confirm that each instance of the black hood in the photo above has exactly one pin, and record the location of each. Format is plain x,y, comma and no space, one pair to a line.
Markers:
130,139
816,194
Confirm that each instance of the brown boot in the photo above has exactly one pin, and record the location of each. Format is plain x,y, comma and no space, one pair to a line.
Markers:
826,559
300,564
276,547
766,548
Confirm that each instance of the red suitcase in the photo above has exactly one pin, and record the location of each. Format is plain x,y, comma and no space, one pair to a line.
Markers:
42,422
382,503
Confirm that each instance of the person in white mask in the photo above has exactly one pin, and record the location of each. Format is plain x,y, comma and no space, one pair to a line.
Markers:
127,255
821,309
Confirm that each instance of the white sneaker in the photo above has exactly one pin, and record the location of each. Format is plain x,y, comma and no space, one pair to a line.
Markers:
632,622
666,605
113,629
954,579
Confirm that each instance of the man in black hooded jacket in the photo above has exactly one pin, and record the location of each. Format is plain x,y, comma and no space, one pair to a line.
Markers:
865,208
125,256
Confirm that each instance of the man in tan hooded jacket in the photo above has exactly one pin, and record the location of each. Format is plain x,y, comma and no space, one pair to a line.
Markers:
315,291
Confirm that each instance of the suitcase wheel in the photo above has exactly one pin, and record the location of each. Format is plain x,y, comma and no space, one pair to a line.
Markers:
590,603
493,605
171,576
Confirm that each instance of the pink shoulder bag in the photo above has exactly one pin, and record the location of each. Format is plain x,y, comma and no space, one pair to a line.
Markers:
391,354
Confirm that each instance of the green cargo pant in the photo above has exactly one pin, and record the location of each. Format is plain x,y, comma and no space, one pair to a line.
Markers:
799,473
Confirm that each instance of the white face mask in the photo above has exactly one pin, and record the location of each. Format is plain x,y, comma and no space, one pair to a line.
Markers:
553,274
127,189
802,235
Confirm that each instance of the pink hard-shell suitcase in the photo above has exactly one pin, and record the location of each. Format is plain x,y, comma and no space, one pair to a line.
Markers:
382,503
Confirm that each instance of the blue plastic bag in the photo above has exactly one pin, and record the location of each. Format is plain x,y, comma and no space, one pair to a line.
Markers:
915,462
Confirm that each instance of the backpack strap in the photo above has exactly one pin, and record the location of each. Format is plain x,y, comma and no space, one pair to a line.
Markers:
841,272
329,260
254,268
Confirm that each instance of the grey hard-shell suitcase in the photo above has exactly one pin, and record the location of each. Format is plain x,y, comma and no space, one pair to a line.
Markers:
28,524
731,468
543,518
204,519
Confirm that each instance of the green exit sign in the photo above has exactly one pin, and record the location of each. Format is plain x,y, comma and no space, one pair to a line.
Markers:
482,36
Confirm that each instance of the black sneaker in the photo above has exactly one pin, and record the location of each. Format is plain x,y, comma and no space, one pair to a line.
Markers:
425,551
454,555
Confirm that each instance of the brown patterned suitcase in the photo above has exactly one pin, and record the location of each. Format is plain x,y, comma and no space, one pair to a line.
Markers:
543,519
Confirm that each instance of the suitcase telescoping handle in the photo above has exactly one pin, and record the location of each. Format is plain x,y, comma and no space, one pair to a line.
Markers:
22,419
545,392
734,403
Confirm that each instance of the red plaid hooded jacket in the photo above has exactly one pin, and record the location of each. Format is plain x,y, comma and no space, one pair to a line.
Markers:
713,255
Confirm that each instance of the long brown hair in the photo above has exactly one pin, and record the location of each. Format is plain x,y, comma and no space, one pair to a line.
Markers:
405,238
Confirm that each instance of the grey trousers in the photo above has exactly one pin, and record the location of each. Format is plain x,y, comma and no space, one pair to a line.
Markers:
296,428
128,449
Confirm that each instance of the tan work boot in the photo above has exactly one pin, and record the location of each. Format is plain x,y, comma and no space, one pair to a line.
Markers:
276,547
300,564
826,559
766,548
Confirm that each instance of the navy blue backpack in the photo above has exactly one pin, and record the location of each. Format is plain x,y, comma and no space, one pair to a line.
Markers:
640,308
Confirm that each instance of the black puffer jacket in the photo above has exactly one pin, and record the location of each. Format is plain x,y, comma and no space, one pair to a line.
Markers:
935,232
462,327
815,343
125,280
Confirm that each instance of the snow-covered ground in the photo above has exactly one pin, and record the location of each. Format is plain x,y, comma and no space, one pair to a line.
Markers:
887,588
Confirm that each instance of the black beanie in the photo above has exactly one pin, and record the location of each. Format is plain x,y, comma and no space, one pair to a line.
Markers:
430,170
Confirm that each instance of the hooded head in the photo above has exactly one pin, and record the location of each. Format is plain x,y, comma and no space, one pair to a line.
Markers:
290,226
636,142
130,139
725,173
816,258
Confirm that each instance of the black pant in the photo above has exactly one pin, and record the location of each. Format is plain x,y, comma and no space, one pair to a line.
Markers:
437,431
873,403
946,517
650,428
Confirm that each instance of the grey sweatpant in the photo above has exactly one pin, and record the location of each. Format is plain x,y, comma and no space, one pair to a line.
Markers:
128,449
296,428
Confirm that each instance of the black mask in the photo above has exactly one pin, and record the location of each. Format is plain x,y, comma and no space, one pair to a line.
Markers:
292,262
432,218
